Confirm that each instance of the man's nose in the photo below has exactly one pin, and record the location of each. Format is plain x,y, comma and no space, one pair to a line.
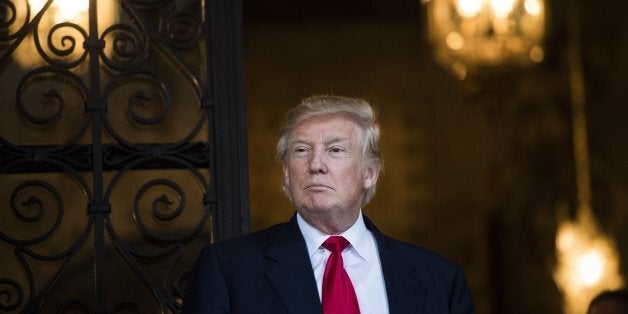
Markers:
317,162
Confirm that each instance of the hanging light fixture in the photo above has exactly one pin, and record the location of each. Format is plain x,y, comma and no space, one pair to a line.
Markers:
587,259
467,34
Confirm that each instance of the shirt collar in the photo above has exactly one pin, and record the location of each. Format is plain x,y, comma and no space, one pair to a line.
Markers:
358,235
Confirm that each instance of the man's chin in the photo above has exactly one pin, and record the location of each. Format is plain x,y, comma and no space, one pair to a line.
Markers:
317,206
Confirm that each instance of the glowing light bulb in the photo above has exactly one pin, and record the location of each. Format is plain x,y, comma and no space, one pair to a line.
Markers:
591,266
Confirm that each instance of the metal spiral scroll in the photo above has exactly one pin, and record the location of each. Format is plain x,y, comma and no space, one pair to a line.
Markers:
140,99
28,195
42,99
129,48
50,97
9,17
160,205
68,45
11,295
162,211
182,30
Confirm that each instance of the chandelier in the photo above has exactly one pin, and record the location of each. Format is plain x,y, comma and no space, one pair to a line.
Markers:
467,34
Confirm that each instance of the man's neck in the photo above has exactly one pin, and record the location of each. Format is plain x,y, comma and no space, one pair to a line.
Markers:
331,225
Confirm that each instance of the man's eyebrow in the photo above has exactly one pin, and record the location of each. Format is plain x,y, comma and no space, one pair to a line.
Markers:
335,140
298,141
329,141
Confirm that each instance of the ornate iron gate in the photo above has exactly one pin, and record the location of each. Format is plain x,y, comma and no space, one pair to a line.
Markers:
122,150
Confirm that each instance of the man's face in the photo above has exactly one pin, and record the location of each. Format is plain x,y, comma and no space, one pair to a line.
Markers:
325,171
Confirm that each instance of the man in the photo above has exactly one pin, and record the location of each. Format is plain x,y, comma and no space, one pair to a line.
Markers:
328,258
610,302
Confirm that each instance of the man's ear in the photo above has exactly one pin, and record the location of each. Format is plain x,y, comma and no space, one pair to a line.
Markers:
370,176
286,175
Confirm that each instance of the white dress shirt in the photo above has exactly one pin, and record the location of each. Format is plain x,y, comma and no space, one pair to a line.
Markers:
361,261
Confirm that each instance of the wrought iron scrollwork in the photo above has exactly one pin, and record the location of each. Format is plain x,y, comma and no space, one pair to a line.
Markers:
66,46
29,204
11,295
129,48
94,86
7,13
138,100
182,30
166,207
37,203
51,98
8,17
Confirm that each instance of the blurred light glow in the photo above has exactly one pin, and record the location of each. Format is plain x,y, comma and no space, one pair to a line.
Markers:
62,10
36,5
460,70
533,7
588,263
502,8
566,238
469,8
536,54
455,41
68,10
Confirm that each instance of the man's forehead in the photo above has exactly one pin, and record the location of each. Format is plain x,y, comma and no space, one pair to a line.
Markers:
330,139
329,122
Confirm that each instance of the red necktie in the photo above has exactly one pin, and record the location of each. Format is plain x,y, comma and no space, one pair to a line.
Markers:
338,294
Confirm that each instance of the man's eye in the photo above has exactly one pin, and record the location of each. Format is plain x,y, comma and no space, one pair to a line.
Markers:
336,149
300,150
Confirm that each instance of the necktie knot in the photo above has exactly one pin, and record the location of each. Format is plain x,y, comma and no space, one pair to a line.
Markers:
336,244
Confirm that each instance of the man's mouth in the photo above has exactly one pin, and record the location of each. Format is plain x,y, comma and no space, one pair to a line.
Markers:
317,186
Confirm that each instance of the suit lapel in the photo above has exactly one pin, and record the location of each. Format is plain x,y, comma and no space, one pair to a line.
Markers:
406,294
289,270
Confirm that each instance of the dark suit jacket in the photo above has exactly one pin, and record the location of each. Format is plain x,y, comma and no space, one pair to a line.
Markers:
269,271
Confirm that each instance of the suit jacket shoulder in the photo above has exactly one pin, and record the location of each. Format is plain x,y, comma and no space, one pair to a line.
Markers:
268,271
419,280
